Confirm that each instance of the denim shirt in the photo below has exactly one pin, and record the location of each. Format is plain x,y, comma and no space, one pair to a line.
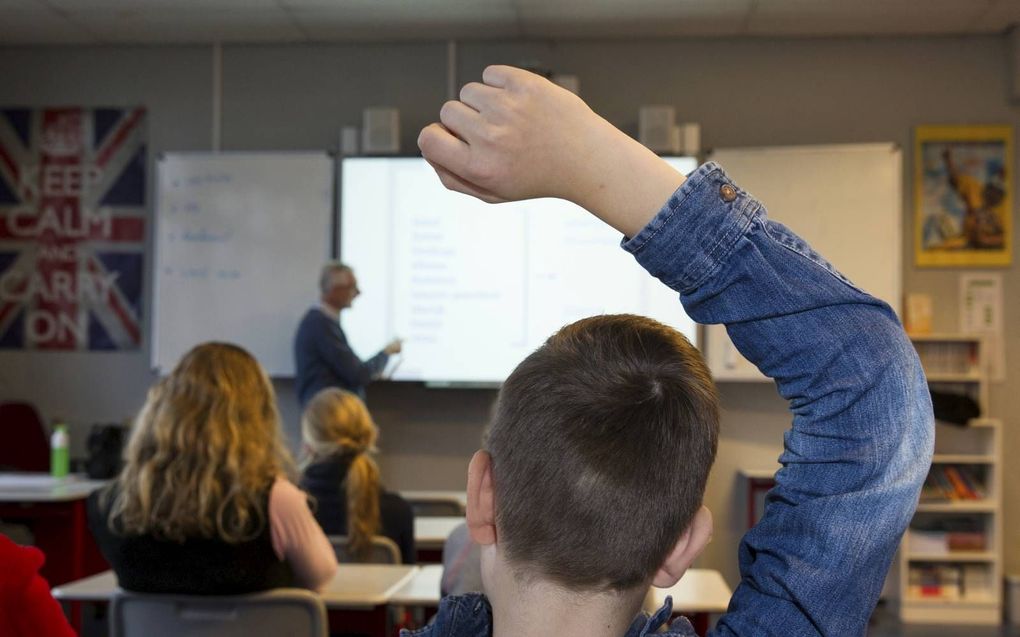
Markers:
471,616
863,431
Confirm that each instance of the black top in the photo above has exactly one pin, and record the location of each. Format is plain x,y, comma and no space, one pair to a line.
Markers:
325,481
197,566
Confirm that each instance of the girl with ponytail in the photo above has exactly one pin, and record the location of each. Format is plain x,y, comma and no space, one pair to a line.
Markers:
342,476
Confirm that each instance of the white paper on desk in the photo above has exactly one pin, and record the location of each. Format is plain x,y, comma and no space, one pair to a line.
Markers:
32,481
981,312
391,367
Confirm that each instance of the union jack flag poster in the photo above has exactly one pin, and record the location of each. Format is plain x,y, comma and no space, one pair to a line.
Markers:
72,228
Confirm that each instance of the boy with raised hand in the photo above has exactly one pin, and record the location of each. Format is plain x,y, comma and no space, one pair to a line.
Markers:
590,484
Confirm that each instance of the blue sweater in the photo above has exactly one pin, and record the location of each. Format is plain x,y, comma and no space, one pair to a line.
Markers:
323,358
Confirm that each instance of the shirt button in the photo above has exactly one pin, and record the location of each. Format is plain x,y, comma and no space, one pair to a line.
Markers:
727,192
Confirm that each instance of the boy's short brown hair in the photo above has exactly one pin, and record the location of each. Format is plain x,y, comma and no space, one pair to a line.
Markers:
601,443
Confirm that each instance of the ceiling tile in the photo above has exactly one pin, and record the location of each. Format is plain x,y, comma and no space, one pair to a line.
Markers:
395,21
611,10
183,26
865,17
400,6
39,26
999,17
81,6
172,21
610,18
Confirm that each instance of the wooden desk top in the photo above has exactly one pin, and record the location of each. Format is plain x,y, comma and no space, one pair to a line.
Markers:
354,586
422,589
95,588
700,590
41,487
430,533
361,585
366,585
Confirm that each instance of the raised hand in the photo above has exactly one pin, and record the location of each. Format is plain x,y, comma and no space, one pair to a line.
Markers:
518,136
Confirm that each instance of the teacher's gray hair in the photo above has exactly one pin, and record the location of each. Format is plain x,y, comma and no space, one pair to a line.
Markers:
326,276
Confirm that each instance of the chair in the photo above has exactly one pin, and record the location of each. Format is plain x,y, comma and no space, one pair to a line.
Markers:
26,446
384,550
284,611
436,507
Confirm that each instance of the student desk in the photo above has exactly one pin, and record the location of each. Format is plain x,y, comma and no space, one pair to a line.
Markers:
370,588
430,534
458,498
422,589
365,589
699,593
54,509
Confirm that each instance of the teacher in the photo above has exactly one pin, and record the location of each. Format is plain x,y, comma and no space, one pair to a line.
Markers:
322,355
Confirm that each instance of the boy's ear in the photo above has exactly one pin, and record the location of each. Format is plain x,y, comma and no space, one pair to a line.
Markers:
481,504
687,549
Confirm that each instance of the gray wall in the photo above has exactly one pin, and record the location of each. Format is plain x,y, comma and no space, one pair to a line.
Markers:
743,92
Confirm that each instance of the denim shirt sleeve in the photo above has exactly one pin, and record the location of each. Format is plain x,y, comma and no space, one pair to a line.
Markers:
862,434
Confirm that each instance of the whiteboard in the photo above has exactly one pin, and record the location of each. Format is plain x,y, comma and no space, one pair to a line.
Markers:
474,288
240,239
844,200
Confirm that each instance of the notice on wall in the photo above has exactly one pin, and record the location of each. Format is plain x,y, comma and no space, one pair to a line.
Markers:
72,228
981,312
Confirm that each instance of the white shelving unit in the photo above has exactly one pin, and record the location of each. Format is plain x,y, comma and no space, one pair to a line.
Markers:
938,584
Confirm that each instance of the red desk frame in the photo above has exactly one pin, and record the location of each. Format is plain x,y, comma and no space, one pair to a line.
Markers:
61,532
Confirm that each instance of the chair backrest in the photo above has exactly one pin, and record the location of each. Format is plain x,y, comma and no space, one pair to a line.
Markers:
384,550
25,444
285,611
438,507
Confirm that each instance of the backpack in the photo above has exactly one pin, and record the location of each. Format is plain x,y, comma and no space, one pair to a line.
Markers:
104,451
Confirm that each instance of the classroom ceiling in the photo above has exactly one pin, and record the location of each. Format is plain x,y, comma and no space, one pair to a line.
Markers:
64,22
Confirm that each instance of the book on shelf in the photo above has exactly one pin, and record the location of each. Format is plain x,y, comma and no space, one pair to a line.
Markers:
952,482
943,536
918,315
948,357
946,542
966,541
940,581
928,542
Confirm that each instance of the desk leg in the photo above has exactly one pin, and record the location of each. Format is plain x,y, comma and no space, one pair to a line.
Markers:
62,534
429,556
700,622
79,532
754,487
373,622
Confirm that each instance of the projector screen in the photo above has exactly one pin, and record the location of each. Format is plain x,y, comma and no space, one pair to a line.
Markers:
474,288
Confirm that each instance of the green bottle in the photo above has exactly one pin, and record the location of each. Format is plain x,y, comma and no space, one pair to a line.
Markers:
59,453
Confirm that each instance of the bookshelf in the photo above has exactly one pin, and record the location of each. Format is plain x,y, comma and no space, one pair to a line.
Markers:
949,568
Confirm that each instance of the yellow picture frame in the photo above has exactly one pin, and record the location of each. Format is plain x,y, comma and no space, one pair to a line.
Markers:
963,199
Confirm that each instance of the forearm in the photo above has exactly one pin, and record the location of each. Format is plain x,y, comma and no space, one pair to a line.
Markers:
624,183
337,354
862,428
298,538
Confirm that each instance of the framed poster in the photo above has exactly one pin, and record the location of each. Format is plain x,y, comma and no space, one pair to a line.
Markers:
963,204
72,228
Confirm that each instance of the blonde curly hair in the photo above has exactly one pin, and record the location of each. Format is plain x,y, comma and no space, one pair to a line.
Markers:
204,451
